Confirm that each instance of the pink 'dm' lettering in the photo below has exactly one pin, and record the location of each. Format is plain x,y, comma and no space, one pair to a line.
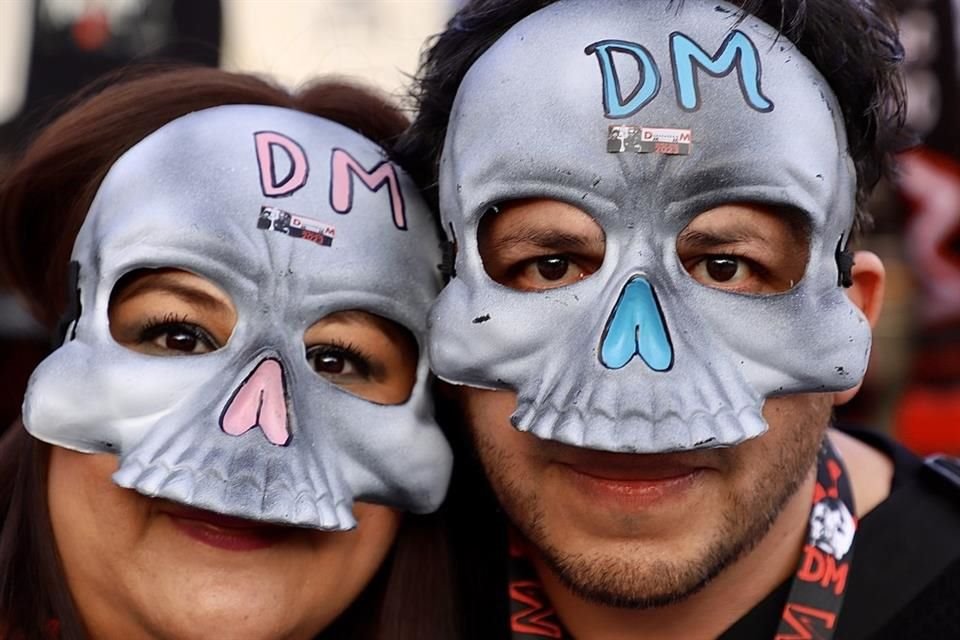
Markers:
343,167
268,143
259,401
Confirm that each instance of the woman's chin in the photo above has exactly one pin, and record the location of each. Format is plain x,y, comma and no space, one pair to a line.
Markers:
197,580
225,615
141,567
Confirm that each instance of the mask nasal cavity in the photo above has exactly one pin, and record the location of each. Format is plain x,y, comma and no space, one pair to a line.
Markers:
636,328
259,401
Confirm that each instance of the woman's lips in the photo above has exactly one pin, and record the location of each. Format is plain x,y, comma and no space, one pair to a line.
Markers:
224,532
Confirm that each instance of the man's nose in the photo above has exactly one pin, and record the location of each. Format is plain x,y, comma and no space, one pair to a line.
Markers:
259,401
636,327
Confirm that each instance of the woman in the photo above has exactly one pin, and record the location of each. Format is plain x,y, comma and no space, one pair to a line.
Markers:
238,408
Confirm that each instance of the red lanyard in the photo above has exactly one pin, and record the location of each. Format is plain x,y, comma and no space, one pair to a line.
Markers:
816,594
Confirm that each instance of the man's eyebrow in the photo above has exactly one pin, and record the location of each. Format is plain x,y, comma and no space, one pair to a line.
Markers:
707,239
741,233
548,239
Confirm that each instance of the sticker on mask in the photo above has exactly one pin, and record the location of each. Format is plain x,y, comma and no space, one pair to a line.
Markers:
296,226
622,138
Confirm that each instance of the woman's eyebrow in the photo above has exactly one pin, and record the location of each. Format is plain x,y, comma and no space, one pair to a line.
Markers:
170,285
351,317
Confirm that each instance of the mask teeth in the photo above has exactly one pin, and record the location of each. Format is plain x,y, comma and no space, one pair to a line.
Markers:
306,510
642,413
149,479
634,433
178,485
247,479
345,513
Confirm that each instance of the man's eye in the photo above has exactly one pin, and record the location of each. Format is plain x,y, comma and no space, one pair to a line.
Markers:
338,362
547,272
552,268
725,269
735,273
177,338
728,271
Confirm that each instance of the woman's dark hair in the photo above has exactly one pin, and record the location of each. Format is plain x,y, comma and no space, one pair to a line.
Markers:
43,201
853,43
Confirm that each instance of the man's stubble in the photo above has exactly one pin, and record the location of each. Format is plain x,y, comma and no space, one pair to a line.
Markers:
631,578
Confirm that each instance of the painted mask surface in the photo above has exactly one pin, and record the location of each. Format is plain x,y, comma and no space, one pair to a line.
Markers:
643,115
294,217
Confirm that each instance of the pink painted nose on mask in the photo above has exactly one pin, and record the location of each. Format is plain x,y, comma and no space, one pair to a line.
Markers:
259,401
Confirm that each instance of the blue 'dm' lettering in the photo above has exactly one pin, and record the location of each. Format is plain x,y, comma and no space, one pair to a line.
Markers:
737,51
648,85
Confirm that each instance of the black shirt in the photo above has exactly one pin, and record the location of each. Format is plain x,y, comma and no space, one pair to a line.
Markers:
888,596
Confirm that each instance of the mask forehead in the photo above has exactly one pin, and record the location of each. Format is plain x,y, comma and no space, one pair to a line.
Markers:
762,124
258,193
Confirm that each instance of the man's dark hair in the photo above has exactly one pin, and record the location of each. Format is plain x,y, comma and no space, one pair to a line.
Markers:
853,43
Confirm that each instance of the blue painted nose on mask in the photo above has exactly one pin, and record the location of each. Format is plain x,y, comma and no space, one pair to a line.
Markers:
636,328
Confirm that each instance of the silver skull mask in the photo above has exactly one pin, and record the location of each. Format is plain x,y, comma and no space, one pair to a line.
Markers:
294,217
643,115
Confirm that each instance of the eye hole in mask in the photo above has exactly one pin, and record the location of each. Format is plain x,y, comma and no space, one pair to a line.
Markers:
170,312
535,245
746,248
370,356
175,313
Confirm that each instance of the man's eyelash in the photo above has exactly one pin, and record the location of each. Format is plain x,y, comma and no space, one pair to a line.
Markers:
754,266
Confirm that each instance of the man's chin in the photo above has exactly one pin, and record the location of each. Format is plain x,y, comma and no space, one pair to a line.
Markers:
641,542
634,575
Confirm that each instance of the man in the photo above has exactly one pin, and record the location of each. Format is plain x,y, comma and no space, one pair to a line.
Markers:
653,310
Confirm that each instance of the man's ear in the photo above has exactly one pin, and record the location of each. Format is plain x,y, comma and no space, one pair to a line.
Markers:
869,281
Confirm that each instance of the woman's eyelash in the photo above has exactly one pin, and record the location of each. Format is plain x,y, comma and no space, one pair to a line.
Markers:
362,360
165,321
156,326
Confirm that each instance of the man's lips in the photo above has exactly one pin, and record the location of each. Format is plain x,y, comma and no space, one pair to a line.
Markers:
636,466
635,481
635,489
222,531
647,471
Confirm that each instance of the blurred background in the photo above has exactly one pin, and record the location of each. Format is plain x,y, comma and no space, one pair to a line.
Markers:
51,48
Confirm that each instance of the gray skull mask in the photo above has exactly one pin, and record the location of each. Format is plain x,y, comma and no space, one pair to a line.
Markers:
294,217
645,114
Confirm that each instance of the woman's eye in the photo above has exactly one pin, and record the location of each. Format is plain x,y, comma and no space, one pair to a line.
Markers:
179,338
330,361
181,341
